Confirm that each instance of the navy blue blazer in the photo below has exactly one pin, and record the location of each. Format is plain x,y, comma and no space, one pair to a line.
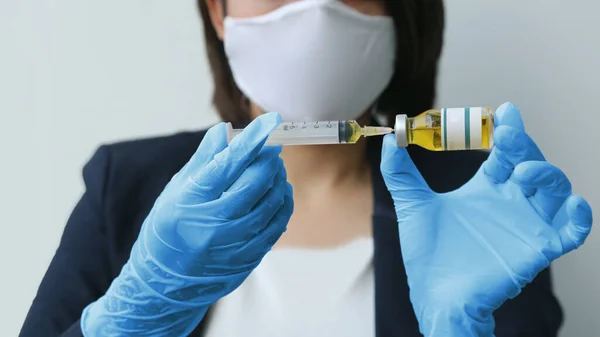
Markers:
123,180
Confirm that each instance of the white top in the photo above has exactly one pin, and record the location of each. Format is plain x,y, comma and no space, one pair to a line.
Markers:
302,293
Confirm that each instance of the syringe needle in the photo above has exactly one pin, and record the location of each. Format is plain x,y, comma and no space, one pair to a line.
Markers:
368,131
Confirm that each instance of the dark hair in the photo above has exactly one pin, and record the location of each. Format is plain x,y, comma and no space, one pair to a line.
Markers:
419,30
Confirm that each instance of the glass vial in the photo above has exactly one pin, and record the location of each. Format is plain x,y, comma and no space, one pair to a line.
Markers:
447,129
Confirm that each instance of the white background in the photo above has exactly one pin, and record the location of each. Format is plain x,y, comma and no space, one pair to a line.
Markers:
75,74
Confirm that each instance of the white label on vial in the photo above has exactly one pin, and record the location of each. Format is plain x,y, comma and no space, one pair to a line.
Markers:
475,128
461,128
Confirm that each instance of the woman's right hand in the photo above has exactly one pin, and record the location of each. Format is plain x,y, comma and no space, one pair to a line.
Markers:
210,227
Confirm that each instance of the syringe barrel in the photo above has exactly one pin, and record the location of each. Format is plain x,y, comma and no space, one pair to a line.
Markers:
301,133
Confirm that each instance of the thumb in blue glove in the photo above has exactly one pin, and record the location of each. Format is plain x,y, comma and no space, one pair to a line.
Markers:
210,227
468,251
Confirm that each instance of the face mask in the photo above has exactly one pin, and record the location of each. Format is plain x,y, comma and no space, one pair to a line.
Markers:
312,59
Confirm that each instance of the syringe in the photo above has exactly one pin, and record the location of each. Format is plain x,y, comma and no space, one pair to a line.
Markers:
320,132
434,130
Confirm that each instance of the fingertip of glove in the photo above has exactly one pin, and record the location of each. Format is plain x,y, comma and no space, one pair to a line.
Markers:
509,114
215,135
270,120
386,153
394,159
506,107
389,141
578,208
389,148
217,128
256,133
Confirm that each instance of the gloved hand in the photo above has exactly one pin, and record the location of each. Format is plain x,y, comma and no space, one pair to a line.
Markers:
210,227
468,251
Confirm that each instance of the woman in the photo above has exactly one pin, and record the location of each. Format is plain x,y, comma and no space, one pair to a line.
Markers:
172,234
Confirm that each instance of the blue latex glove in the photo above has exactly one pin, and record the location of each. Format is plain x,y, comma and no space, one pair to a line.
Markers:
207,231
468,251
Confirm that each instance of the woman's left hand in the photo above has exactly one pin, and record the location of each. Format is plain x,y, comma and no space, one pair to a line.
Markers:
468,251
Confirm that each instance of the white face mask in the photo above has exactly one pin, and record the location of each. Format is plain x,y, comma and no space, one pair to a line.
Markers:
312,59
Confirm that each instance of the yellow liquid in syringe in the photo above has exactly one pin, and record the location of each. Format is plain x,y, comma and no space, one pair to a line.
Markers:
452,129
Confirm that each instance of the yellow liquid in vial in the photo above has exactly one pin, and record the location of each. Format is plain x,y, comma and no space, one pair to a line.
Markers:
427,130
